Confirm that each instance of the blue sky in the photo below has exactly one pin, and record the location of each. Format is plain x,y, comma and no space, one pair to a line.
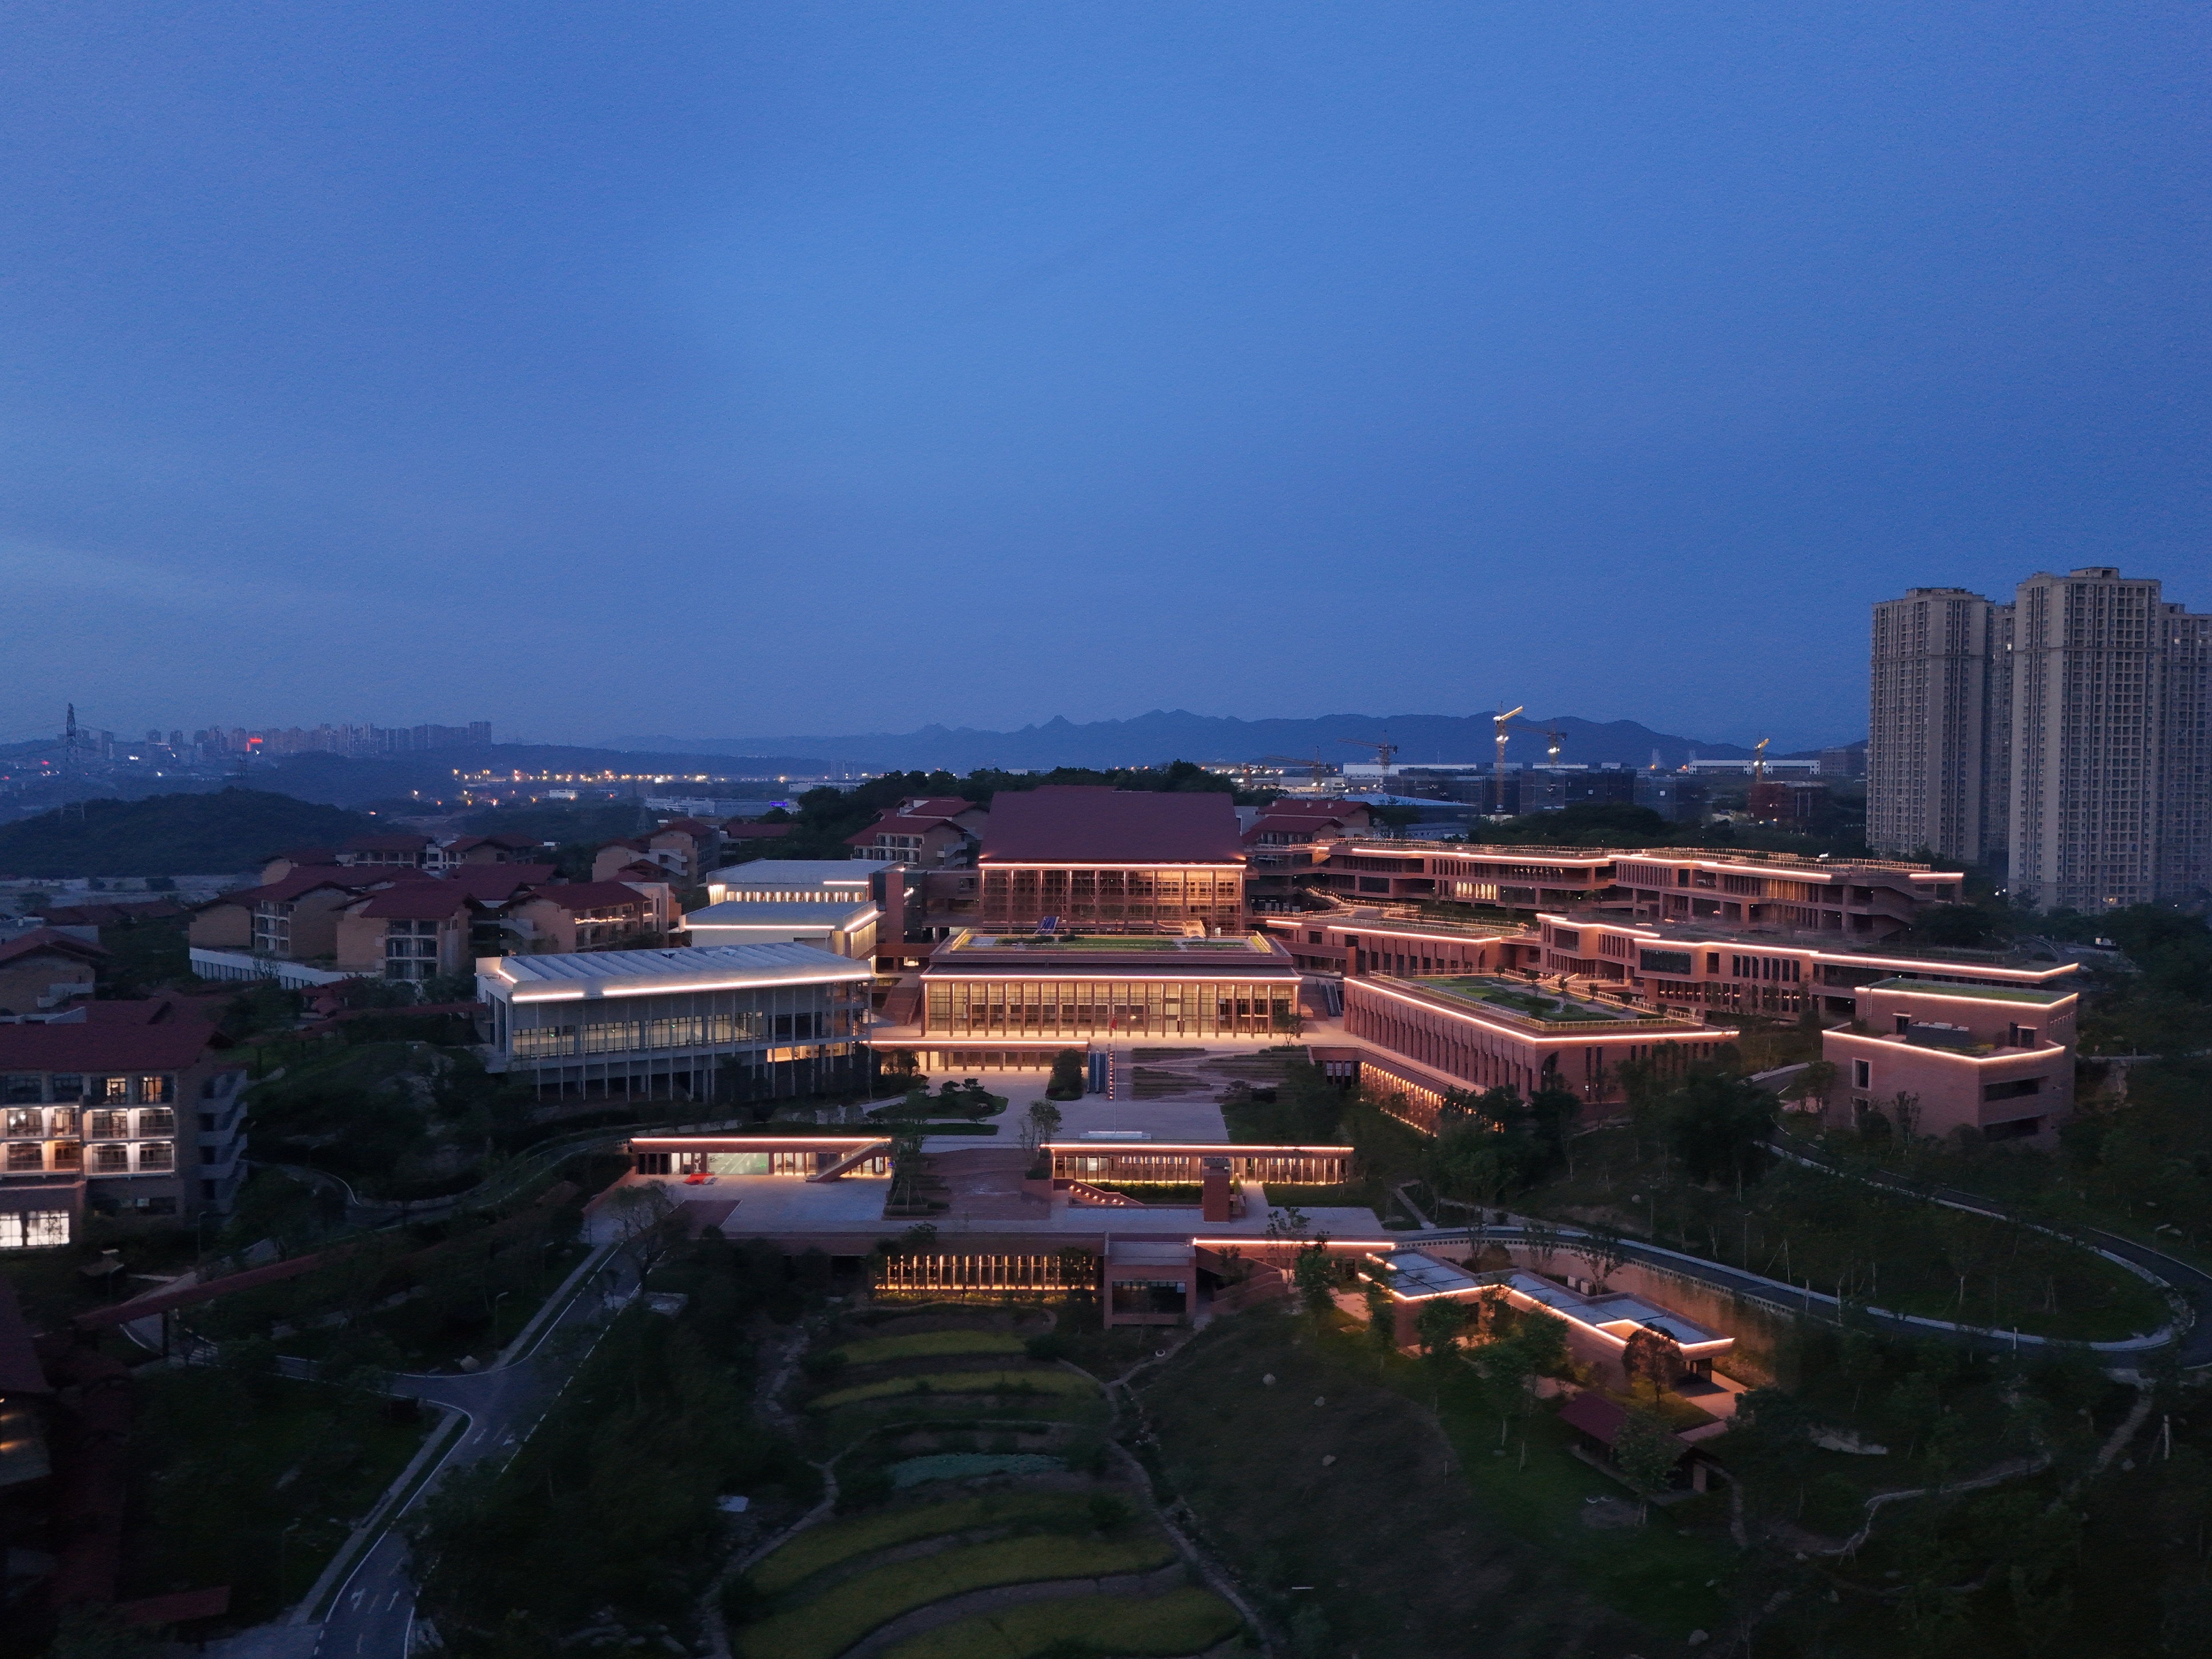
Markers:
748,370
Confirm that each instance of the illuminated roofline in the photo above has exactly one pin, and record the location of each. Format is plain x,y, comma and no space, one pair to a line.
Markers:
987,862
1652,1032
1233,1148
610,994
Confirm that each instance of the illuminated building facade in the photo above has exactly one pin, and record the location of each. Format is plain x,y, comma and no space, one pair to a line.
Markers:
1111,860
744,1022
1479,1033
996,989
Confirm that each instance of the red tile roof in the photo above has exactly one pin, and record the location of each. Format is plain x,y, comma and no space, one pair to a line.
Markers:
413,902
496,883
897,825
589,895
40,939
692,827
394,844
631,842
737,828
299,883
99,915
1087,824
1334,810
162,1034
939,806
1596,1416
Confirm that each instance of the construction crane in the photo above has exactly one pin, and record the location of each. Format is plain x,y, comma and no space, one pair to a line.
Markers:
1498,722
1316,768
1385,751
1758,760
1551,748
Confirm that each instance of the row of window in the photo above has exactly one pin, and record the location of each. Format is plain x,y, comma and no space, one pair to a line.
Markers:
26,1088
100,1122
616,1036
1112,884
978,1006
110,1157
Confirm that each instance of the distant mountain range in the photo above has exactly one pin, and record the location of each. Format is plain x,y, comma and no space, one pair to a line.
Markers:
1177,734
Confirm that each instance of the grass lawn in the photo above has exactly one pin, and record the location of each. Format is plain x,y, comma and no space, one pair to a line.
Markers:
848,1424
1887,1250
1040,1381
1183,1621
1452,1547
253,1485
926,1345
823,1629
820,1547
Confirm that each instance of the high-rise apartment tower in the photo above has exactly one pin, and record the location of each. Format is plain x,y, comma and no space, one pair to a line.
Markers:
2061,738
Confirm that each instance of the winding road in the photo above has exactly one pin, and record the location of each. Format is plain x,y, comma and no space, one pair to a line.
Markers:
374,1612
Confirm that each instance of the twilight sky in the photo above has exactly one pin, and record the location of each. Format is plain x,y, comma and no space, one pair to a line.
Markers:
741,370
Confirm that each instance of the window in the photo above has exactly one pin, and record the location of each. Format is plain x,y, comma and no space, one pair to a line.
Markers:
26,1121
159,1155
160,1121
1712,961
112,1159
25,1156
34,1230
19,1086
156,1090
69,1155
116,1089
67,1086
61,1120
101,1123
2018,1089
1862,1074
1665,962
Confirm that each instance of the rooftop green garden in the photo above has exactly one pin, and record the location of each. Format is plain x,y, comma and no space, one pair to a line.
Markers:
1529,1003
2027,993
1123,944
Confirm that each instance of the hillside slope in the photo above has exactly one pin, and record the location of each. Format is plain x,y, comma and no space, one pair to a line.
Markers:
171,835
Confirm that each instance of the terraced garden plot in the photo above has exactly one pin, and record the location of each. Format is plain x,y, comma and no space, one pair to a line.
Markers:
1029,1414
1183,1621
824,1627
822,1547
927,1345
1042,1380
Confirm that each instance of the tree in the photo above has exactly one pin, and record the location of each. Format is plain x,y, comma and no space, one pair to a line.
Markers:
1542,1240
1381,1314
1812,1084
1601,1250
1542,1338
1653,1357
1314,1277
1646,1451
1067,1075
647,1224
1717,1124
1438,1326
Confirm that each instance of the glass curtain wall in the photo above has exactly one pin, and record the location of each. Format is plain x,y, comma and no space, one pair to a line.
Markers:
1083,1008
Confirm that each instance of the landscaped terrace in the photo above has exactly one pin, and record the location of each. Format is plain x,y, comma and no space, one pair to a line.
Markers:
1528,1006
